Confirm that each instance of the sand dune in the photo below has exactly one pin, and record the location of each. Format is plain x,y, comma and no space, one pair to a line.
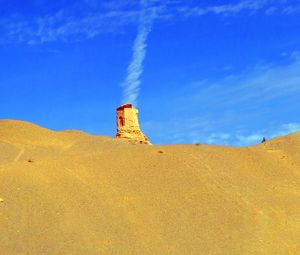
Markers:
73,193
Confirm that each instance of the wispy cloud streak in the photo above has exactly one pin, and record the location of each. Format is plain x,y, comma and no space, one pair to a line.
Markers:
95,18
236,110
131,85
225,9
64,27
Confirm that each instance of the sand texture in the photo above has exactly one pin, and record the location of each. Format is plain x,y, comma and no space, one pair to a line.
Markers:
73,193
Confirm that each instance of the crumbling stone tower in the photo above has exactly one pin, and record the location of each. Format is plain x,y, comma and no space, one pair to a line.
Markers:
128,126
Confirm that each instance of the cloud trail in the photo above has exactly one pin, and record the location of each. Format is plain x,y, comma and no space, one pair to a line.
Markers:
131,85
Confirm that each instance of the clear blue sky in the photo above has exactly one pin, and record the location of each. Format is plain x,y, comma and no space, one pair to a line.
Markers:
216,72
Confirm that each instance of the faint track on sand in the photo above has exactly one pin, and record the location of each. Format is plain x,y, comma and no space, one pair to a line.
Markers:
19,155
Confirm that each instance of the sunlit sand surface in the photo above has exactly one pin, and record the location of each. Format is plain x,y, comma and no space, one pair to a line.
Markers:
73,193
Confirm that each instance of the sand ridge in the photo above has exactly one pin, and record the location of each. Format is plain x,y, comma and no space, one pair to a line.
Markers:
69,192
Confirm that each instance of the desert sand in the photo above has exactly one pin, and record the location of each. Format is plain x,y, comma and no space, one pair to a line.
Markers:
73,193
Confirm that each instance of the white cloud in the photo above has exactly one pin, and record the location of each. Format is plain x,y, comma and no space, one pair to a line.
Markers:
271,10
252,6
135,69
112,16
249,139
218,138
244,138
201,130
225,9
286,129
291,9
64,27
237,110
261,84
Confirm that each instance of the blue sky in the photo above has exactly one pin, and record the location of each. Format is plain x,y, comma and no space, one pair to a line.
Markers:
216,72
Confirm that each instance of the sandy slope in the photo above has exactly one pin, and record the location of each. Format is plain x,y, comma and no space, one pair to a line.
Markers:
90,195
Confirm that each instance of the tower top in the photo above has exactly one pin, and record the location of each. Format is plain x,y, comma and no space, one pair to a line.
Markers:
128,105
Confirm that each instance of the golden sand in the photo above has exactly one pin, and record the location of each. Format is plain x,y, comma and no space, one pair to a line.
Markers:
73,193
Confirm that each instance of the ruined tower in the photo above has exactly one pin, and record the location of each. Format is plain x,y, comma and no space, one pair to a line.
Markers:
128,126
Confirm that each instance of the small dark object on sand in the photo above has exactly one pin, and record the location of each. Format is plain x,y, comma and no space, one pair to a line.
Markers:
263,140
30,161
